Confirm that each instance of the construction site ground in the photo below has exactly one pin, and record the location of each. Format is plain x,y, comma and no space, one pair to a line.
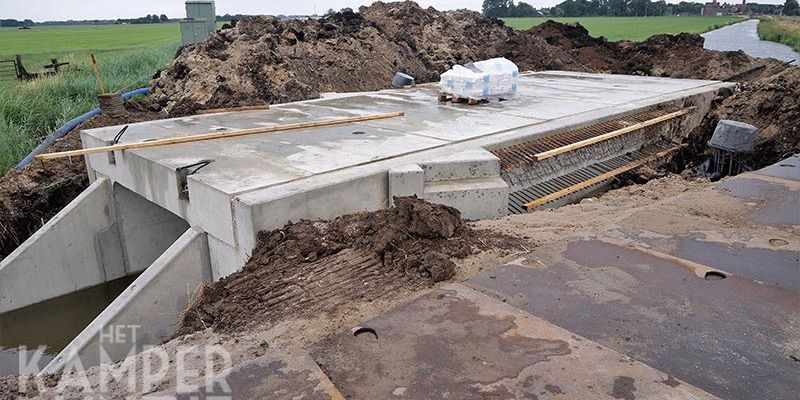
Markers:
677,288
265,60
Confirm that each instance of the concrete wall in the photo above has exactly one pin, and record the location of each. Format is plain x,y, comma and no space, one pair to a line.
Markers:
106,233
146,230
63,257
149,309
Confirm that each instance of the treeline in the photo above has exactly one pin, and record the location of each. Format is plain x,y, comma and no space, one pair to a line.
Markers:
13,23
507,8
614,8
148,19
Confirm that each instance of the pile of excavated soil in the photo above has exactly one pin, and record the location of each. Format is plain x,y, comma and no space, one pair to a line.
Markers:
30,197
266,60
315,267
552,45
771,104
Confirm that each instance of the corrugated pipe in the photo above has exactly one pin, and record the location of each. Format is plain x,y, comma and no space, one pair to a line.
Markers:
69,126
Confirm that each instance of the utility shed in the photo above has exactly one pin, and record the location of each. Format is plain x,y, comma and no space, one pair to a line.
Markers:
200,22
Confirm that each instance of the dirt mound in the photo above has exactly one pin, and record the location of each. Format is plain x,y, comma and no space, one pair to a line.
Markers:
316,266
683,56
30,197
263,59
772,105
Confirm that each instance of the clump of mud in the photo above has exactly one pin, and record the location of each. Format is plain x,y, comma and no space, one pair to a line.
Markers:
316,266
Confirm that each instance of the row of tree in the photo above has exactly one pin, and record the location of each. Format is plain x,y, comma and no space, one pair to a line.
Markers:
617,8
507,8
791,8
13,23
148,19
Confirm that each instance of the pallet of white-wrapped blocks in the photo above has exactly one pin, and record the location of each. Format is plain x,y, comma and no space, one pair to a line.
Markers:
495,78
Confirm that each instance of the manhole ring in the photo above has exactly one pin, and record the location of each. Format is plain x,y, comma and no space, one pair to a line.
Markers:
365,330
777,242
715,276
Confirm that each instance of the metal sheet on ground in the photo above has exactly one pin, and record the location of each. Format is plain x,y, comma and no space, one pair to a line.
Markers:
756,256
734,337
279,375
788,168
778,199
458,343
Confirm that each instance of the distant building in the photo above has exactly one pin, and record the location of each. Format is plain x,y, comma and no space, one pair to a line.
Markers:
738,8
712,9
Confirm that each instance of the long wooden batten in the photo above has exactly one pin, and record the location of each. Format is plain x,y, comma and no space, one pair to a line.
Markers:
609,135
219,135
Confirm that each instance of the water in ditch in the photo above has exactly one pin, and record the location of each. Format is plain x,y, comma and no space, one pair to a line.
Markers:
743,36
53,323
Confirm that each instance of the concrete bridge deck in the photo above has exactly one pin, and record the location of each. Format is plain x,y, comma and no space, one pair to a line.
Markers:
263,181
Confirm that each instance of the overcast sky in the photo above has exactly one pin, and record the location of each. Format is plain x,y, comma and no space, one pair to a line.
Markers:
42,10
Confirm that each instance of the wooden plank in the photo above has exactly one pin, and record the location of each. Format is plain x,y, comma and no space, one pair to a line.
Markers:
589,182
635,127
218,135
233,109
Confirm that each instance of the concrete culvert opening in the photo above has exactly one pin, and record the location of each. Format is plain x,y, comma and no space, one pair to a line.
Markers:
715,276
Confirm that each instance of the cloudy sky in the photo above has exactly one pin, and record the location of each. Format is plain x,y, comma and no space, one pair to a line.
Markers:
42,10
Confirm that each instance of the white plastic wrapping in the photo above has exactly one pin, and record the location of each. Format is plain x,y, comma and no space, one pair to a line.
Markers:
496,77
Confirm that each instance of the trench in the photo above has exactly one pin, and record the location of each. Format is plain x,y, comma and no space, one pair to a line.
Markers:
53,323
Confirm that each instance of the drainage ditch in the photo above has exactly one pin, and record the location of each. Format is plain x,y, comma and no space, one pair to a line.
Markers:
53,323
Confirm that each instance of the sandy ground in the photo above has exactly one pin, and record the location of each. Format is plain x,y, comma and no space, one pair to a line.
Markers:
700,203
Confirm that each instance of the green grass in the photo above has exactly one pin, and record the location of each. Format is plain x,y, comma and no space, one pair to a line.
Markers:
127,55
784,30
73,43
633,28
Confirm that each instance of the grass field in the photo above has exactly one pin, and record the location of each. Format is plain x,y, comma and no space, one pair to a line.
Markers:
633,28
73,43
127,54
784,30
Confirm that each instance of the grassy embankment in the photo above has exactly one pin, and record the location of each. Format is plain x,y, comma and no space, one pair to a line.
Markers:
633,28
127,54
784,30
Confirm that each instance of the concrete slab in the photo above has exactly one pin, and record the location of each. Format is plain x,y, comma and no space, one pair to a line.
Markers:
733,337
786,169
778,200
279,375
459,343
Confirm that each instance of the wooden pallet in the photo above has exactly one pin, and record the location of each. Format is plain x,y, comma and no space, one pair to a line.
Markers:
444,97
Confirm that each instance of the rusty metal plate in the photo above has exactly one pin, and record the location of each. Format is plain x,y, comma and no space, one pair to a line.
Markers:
773,267
786,169
779,199
733,337
280,375
770,260
458,343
